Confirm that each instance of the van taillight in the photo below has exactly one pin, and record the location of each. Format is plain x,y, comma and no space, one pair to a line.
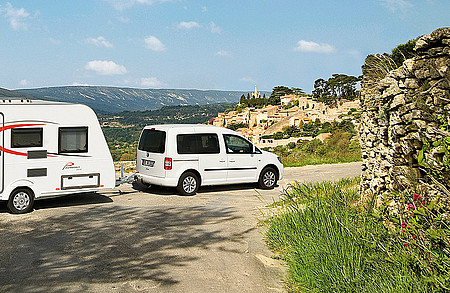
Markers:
167,163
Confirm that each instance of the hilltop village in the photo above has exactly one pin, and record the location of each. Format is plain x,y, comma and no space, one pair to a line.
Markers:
259,124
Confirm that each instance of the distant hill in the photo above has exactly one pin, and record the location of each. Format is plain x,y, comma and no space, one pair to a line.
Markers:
10,94
113,100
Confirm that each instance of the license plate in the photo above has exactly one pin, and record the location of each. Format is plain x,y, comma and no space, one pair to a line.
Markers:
148,163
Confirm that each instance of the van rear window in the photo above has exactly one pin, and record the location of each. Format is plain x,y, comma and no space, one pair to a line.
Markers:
152,141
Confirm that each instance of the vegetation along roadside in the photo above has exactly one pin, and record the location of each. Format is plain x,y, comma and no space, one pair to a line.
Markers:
334,243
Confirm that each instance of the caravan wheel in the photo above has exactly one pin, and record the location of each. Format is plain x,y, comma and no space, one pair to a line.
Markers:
21,201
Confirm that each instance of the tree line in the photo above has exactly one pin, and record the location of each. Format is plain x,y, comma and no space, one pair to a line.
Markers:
336,88
273,99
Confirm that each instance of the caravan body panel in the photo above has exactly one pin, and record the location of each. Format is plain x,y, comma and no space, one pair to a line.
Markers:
52,148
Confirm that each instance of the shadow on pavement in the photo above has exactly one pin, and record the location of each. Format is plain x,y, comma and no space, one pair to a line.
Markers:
79,199
104,245
159,190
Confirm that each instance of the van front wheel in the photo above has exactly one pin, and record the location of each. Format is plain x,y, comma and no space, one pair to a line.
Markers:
21,201
188,184
268,178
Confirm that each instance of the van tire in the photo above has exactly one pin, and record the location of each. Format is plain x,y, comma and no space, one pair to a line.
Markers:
21,201
188,184
268,178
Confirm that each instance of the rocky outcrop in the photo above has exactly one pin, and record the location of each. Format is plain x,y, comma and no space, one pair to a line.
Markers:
400,110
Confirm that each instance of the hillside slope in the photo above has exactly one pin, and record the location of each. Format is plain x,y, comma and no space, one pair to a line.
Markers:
10,94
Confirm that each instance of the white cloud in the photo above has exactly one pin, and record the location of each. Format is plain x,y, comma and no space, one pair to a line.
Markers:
23,82
79,84
188,25
215,28
106,67
124,19
204,9
16,17
154,44
99,42
125,4
151,82
395,5
248,79
54,41
223,53
309,46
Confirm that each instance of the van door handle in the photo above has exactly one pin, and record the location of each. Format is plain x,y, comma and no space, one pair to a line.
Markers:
232,161
222,161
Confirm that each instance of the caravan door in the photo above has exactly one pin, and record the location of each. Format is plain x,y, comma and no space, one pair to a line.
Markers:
2,151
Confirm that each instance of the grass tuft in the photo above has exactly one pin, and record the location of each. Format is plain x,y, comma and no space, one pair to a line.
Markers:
327,242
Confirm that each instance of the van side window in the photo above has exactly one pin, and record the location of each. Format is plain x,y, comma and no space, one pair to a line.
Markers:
207,143
73,140
236,144
26,137
152,141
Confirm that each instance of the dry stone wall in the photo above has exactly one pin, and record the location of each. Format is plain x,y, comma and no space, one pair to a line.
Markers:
400,110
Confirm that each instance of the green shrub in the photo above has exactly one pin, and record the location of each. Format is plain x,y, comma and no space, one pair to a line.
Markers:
331,245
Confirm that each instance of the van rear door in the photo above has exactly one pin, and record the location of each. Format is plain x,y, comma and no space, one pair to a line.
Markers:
151,153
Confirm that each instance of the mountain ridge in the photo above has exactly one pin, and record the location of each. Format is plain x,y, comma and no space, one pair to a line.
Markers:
105,99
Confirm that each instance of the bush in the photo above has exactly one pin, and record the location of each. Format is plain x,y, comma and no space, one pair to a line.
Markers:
419,235
332,245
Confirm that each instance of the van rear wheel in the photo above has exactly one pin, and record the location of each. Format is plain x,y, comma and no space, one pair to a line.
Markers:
21,201
188,184
268,178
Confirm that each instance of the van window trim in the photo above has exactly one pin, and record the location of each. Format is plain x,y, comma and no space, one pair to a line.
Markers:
41,133
196,133
73,152
226,146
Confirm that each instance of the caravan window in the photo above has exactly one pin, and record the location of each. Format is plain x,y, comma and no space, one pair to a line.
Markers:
26,137
73,140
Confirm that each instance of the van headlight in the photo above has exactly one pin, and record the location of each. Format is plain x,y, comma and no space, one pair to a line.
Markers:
279,159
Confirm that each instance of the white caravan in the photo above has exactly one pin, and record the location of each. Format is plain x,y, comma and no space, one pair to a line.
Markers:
189,156
49,149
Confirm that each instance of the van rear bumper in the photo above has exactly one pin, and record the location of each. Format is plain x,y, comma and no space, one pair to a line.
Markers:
161,181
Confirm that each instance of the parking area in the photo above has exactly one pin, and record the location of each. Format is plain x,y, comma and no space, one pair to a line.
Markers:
151,240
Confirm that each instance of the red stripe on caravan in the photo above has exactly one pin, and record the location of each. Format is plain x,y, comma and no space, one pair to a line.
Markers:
16,126
19,125
13,152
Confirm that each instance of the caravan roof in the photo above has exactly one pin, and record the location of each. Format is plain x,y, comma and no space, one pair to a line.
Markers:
28,101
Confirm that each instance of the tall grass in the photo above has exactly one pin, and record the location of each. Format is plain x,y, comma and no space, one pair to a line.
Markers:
304,159
327,243
338,148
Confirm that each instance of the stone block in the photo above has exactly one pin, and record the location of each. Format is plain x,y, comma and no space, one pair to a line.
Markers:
411,83
391,91
397,101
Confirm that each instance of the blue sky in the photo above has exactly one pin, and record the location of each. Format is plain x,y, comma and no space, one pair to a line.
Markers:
204,44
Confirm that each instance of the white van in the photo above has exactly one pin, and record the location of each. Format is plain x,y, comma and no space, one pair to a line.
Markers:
49,149
189,156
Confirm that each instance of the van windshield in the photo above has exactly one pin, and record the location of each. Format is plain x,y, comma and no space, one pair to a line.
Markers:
152,141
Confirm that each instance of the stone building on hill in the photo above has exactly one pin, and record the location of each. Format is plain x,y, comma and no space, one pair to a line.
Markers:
293,111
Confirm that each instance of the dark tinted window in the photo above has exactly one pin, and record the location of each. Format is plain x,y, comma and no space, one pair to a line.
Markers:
237,144
26,137
73,140
198,144
152,141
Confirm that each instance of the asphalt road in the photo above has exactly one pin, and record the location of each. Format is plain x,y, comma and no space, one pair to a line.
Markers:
149,240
